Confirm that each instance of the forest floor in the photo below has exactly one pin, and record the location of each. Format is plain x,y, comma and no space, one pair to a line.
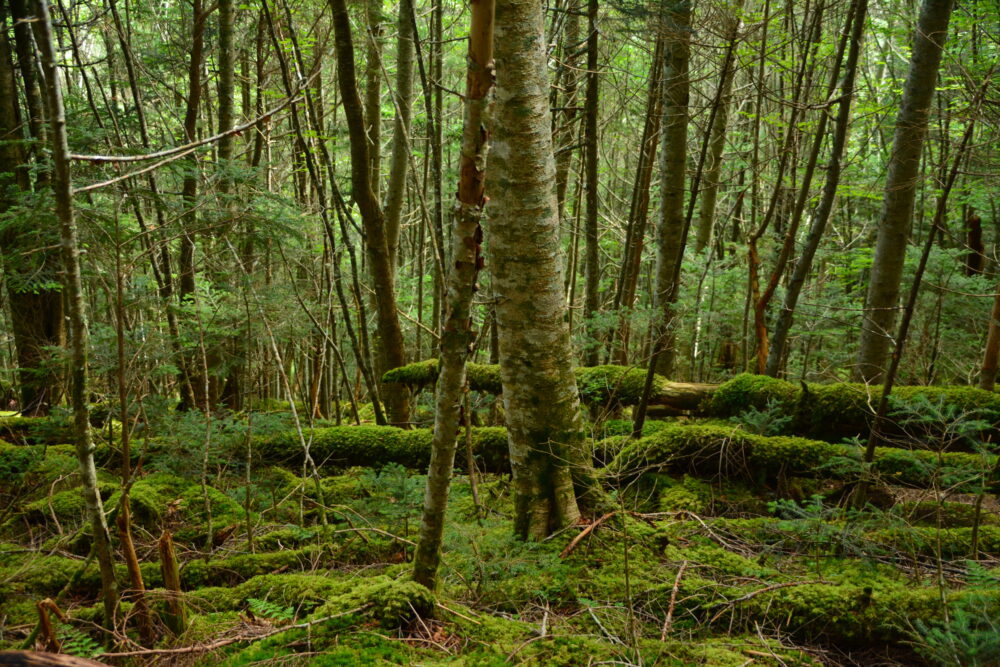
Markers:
692,568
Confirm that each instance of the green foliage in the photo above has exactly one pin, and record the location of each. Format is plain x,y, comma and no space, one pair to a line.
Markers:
837,411
970,633
77,643
771,420
269,610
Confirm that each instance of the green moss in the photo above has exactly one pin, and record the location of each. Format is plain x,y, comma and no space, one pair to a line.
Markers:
375,446
837,411
732,453
31,430
689,494
597,384
482,377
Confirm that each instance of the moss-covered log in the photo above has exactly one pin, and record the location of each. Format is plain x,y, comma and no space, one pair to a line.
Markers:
843,410
374,446
620,385
805,535
728,451
824,411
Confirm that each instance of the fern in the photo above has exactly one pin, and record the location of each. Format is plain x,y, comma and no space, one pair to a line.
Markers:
77,643
269,610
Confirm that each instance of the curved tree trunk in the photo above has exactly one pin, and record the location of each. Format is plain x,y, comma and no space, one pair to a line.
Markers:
382,271
900,190
457,335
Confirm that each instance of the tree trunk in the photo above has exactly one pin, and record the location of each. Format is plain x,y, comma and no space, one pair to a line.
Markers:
401,131
673,166
900,190
73,287
635,237
536,362
457,334
30,265
841,128
988,377
592,294
717,140
382,271
373,93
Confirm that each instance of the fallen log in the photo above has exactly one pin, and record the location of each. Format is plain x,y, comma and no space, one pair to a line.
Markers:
830,412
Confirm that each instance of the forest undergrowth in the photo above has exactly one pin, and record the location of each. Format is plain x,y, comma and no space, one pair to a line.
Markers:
726,547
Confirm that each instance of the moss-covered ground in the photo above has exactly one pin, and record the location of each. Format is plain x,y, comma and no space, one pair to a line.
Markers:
730,546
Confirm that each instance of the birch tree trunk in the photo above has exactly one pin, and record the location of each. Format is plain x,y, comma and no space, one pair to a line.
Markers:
457,335
73,287
900,190
536,361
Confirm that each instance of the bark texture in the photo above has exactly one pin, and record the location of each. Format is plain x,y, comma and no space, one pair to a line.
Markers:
900,190
457,335
73,288
536,361
673,161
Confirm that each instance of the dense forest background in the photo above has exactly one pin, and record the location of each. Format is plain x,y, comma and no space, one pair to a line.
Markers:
708,293
230,248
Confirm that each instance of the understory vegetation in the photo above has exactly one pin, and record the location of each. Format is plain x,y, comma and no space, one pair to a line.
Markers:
731,542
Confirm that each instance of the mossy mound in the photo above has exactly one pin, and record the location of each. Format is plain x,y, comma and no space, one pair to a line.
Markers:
712,450
375,446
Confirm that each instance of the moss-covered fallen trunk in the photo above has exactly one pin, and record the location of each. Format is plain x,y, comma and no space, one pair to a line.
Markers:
621,385
824,411
846,539
727,451
375,446
843,410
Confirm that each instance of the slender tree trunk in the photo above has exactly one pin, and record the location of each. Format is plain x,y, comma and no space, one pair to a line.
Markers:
189,195
673,167
802,267
565,134
717,140
396,186
73,286
373,93
382,271
592,296
635,237
900,189
457,335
